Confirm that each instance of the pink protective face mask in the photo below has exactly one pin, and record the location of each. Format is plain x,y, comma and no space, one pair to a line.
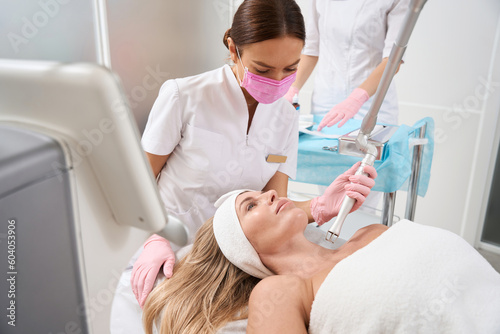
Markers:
263,89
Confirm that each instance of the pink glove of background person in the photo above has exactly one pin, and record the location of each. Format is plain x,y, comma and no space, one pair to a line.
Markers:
157,252
291,93
345,110
327,206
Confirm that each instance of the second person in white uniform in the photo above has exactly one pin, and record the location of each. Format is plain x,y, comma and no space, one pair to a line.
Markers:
349,43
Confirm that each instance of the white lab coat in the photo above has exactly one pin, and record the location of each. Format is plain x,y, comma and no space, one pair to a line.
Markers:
201,121
351,37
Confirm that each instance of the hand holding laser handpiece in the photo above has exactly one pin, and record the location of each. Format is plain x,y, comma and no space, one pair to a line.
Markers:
327,206
351,203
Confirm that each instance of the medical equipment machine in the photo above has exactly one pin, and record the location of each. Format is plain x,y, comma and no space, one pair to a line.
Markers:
369,121
378,138
77,195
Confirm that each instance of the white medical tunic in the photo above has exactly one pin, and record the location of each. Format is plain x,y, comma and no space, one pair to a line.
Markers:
201,121
351,37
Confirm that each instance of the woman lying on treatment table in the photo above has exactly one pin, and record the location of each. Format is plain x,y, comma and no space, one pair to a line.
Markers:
409,278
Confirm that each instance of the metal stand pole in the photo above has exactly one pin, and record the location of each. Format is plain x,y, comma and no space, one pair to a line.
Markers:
388,209
395,58
411,201
101,33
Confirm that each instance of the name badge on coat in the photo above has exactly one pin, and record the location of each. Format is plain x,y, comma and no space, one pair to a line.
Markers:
276,158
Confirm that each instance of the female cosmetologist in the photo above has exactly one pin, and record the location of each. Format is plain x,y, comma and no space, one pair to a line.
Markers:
408,278
230,128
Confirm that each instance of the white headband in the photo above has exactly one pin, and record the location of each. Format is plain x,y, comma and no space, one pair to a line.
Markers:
231,239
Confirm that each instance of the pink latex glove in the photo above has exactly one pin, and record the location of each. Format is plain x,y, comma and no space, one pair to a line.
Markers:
345,110
292,91
157,252
327,206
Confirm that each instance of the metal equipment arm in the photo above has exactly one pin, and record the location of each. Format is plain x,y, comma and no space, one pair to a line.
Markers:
370,119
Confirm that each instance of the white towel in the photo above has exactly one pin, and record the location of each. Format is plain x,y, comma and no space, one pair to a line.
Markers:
411,279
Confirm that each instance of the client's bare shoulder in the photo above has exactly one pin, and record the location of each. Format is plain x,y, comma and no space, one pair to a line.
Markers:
361,238
280,304
368,233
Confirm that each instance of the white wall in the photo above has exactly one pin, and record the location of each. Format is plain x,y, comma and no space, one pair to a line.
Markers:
55,30
452,60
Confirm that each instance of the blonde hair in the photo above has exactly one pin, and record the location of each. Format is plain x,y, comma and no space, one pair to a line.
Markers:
205,292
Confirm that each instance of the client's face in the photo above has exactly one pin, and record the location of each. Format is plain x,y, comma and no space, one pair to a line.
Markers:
269,221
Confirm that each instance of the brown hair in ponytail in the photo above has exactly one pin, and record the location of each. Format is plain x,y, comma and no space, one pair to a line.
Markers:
259,20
